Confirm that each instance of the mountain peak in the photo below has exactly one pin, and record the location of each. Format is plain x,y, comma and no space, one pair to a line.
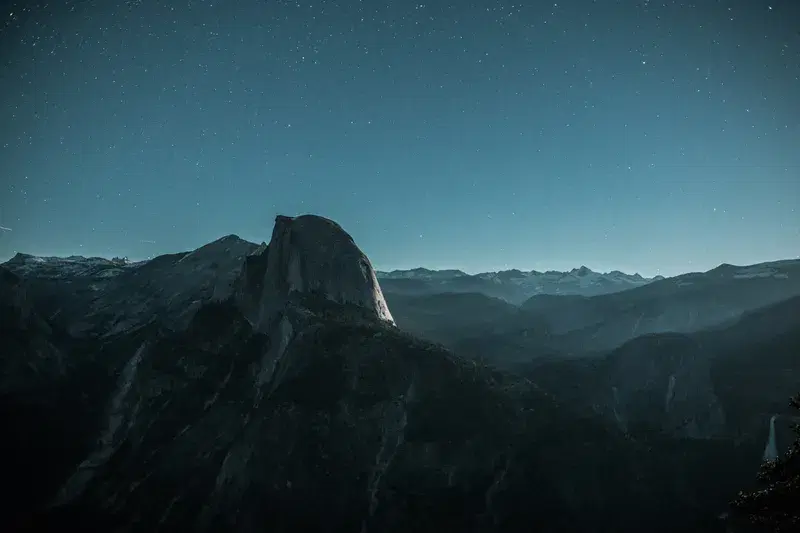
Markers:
313,255
582,271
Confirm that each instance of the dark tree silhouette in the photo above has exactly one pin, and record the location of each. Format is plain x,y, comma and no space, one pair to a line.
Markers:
775,505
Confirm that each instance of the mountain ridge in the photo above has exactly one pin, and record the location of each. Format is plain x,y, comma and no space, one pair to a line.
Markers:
520,288
454,272
41,263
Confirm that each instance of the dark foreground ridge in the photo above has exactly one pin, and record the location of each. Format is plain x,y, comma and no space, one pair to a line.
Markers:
266,389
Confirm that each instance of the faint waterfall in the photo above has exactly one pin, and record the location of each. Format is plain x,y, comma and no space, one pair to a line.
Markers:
670,393
771,450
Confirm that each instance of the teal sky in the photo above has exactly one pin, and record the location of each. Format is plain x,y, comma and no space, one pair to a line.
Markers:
479,136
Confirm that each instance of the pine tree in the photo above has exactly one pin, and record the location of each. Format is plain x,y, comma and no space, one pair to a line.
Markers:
775,506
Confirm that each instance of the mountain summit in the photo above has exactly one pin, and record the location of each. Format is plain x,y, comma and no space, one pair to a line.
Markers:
310,255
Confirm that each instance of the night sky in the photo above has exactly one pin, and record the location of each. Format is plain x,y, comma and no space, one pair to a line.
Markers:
633,135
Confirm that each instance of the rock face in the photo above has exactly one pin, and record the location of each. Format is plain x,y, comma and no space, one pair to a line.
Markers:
265,388
311,256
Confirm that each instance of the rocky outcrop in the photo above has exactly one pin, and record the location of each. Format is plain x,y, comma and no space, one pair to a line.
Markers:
313,256
285,287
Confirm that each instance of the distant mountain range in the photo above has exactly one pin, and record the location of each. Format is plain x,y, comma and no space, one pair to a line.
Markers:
514,286
574,324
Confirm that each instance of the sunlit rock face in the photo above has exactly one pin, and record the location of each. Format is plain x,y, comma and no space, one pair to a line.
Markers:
310,255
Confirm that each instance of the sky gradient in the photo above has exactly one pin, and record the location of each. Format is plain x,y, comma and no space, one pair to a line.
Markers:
642,136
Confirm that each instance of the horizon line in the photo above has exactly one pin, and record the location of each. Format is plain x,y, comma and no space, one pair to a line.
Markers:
4,259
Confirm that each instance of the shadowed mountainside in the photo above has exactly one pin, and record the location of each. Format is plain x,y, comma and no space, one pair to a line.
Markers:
576,326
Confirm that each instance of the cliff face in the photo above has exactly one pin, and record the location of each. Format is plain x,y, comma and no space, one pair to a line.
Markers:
310,256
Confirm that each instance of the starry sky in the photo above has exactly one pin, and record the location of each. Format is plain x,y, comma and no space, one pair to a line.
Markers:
651,137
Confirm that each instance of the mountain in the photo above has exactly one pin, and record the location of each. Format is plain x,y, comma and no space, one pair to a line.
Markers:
477,325
447,317
514,286
728,382
90,296
267,388
686,303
